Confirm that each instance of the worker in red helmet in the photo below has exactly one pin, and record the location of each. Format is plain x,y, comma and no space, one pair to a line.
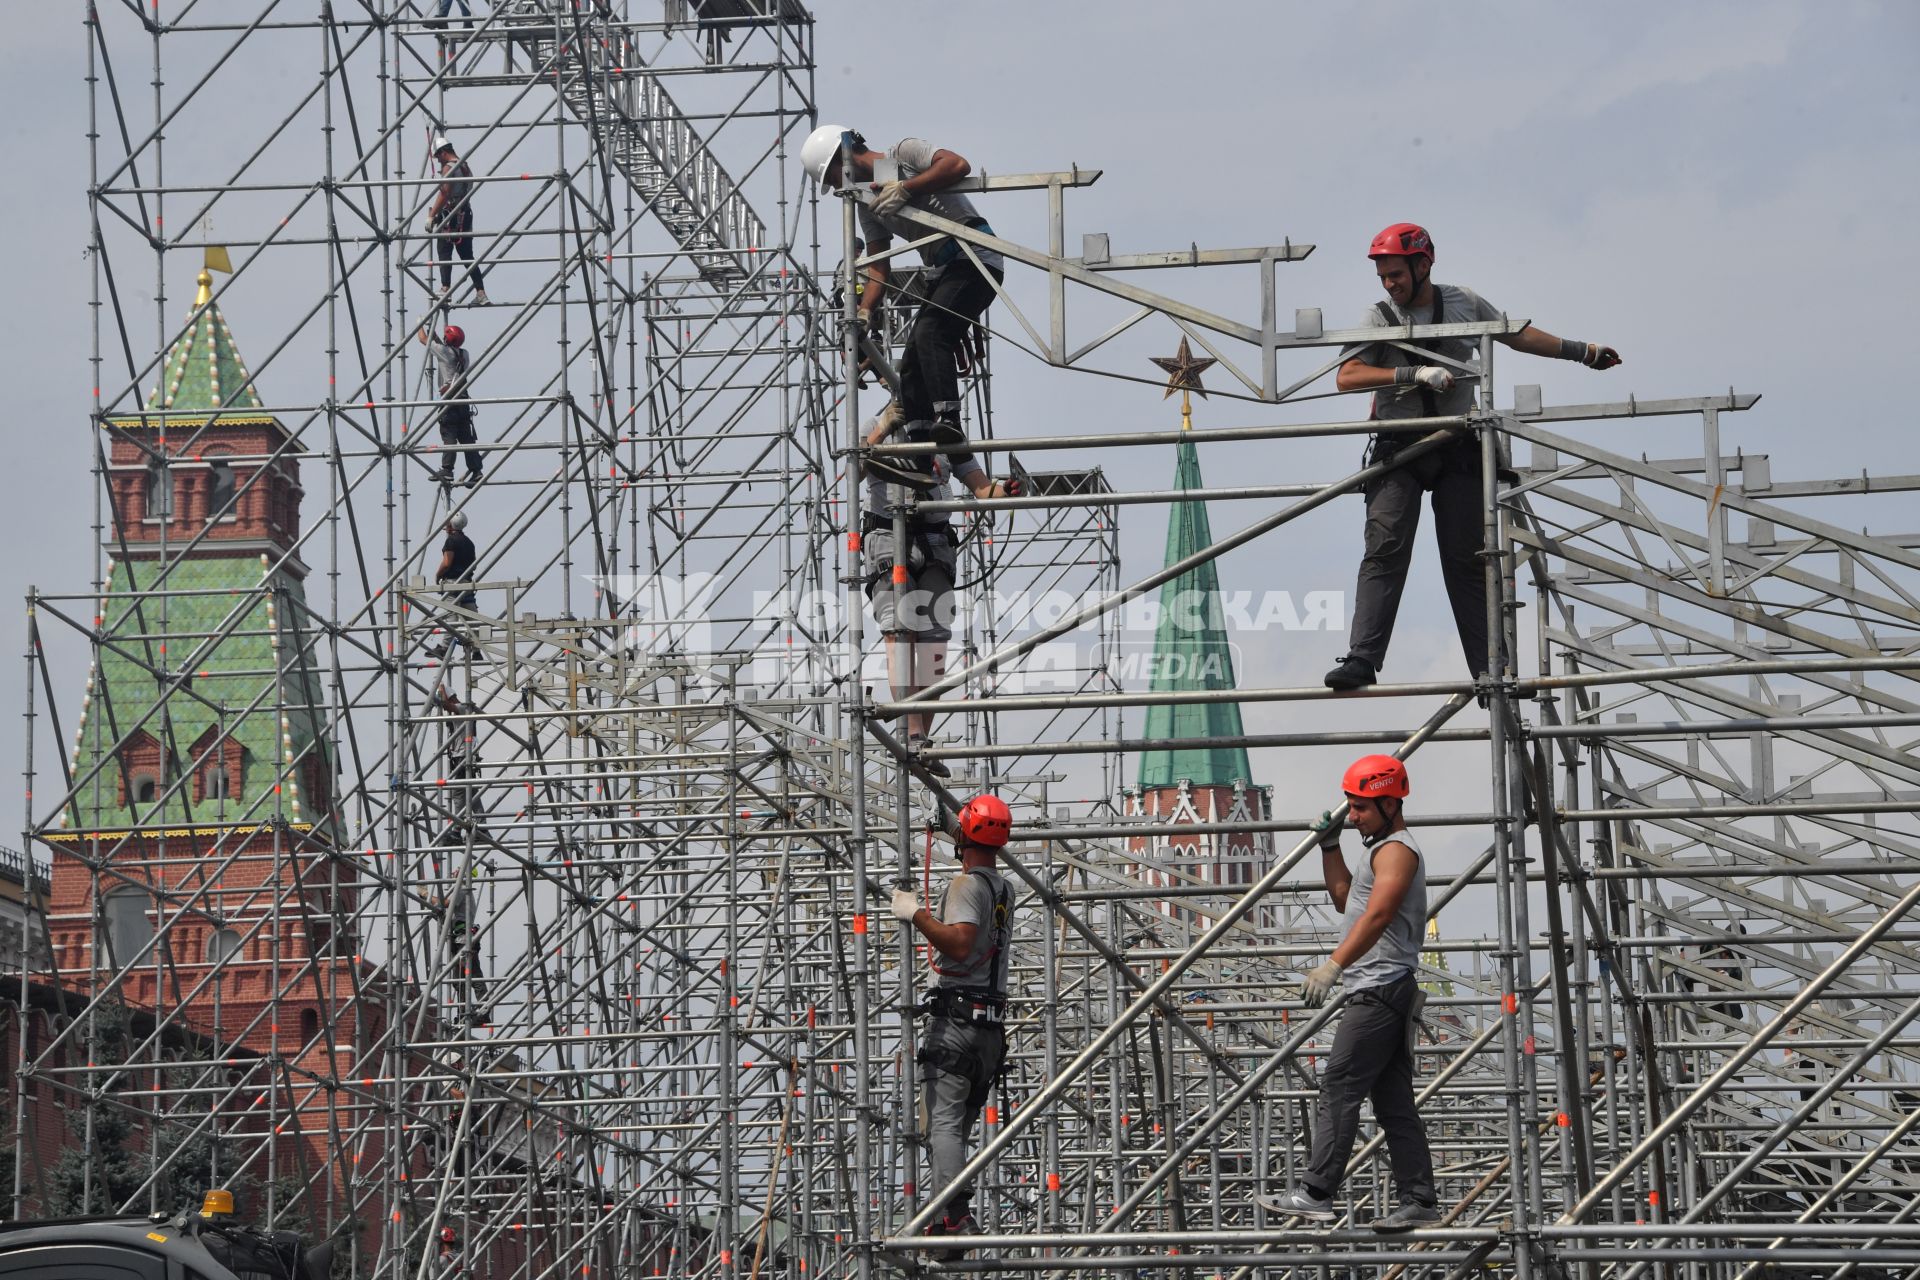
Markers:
1408,384
965,1042
1383,917
448,350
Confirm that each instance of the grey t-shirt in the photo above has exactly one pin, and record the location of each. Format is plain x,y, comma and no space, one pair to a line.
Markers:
912,156
451,363
984,899
1458,304
1397,953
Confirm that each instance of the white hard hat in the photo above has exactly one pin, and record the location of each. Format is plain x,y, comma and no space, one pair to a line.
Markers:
440,143
818,151
458,520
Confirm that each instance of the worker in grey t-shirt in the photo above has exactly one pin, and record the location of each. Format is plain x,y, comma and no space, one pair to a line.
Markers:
1383,909
953,293
965,1043
1406,384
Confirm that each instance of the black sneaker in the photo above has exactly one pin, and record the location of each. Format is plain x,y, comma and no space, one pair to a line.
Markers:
915,471
1352,673
938,768
445,477
473,479
1407,1217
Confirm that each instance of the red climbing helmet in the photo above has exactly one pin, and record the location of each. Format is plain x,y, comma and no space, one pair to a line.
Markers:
986,820
455,335
1402,240
1372,776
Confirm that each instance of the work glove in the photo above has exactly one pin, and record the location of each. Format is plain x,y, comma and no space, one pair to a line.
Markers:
888,197
972,351
1328,829
1433,376
1011,488
1599,357
1320,983
862,331
905,905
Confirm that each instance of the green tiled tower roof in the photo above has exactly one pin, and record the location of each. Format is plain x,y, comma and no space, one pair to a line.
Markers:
203,371
254,682
1190,652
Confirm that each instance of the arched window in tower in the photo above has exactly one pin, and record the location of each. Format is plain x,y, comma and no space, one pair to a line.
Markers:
309,1026
128,912
219,485
144,788
215,782
159,492
223,945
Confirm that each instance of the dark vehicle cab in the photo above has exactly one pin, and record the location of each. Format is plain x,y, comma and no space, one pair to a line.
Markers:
203,1246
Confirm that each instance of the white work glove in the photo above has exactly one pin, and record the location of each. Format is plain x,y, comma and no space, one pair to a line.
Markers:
889,196
1432,375
1328,830
1320,983
905,905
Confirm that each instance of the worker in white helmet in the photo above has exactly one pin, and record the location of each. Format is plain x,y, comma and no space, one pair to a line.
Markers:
450,219
954,293
455,575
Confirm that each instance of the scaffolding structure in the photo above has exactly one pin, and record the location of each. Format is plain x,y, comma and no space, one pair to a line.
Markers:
554,919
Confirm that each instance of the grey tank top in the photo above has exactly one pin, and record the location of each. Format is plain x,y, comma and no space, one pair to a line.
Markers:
1397,953
983,898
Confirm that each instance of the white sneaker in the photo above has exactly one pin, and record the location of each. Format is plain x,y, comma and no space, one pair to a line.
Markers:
1298,1202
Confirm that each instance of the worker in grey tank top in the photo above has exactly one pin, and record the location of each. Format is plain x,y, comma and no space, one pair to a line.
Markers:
965,1044
1383,915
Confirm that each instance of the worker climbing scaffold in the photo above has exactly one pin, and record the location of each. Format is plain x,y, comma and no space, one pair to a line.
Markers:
965,1044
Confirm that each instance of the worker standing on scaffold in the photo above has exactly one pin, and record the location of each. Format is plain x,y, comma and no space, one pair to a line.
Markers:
449,353
953,295
1403,387
914,606
450,221
1384,914
455,580
965,1043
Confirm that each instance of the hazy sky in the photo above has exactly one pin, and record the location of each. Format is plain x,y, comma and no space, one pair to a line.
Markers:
1725,192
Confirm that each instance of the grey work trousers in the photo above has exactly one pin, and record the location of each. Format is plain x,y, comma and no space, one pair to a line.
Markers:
1452,474
959,1062
1372,1057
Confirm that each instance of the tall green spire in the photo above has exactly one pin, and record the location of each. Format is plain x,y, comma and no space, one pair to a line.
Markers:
1190,652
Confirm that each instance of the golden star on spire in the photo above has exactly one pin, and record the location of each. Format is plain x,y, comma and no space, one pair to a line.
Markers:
1183,371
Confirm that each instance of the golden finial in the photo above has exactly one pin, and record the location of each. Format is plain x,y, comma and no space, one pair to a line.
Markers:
213,258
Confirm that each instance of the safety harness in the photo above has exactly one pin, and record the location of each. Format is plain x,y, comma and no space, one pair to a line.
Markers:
1382,447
